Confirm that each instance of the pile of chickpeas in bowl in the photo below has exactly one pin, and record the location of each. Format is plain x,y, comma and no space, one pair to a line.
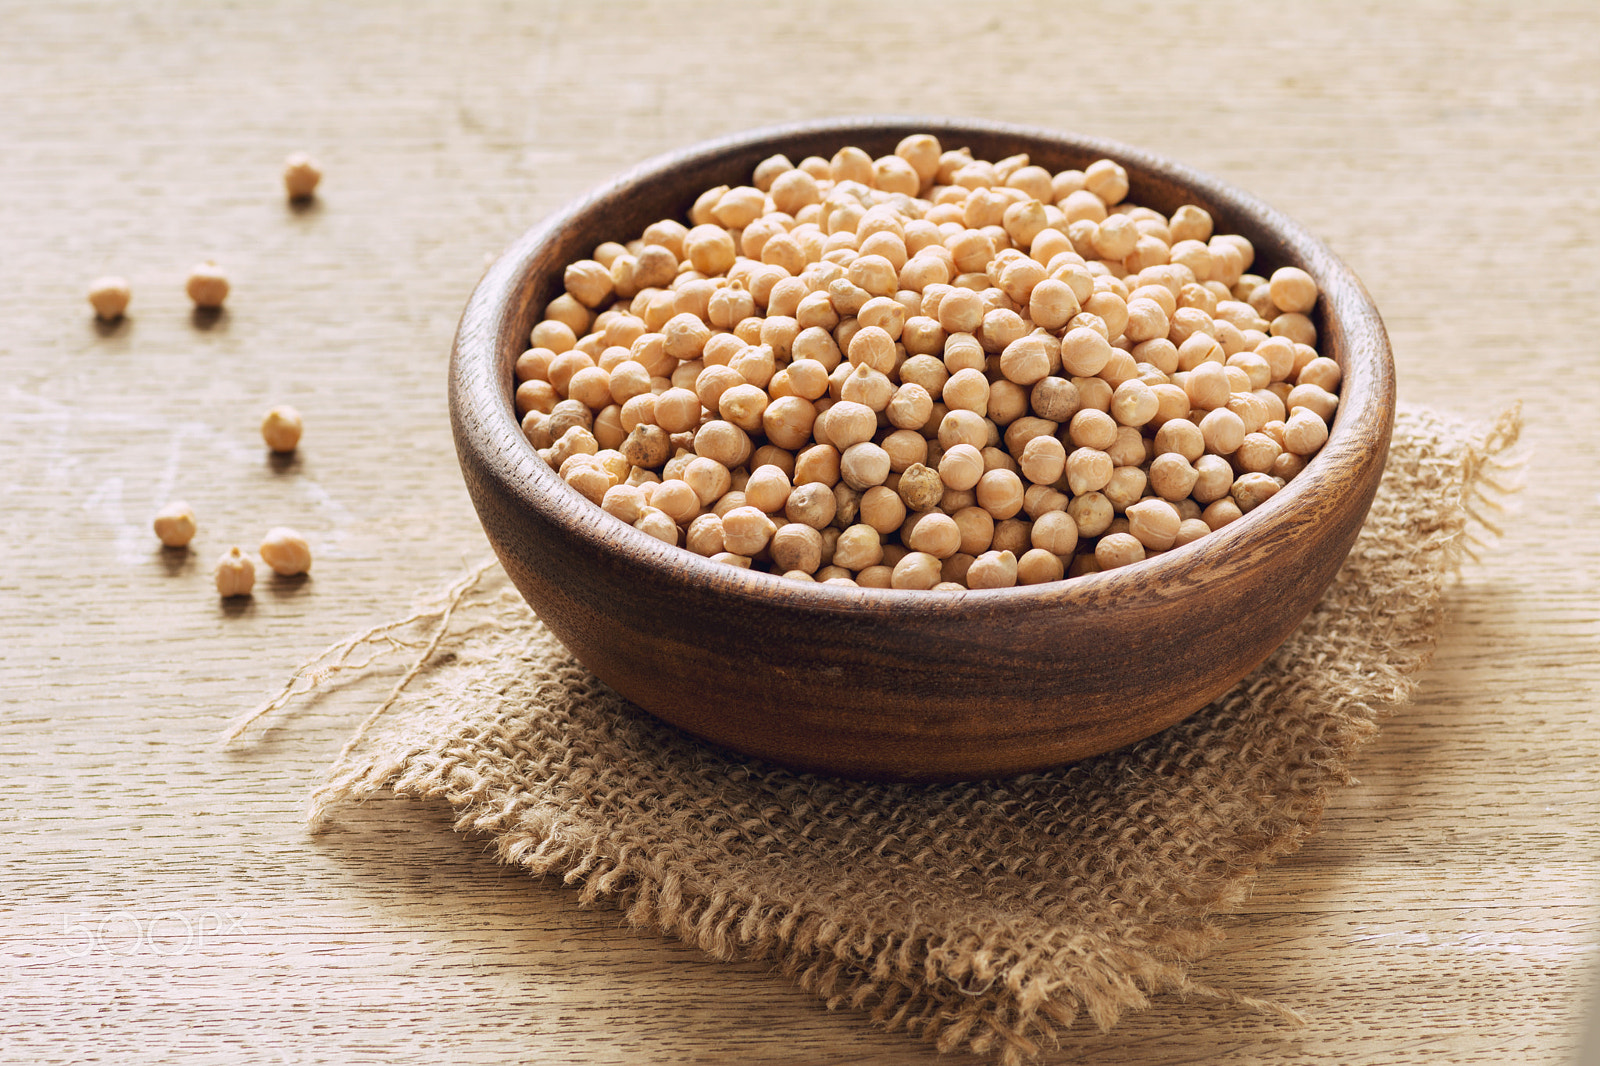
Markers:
927,371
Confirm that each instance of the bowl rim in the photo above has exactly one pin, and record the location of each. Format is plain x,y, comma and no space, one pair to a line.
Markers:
481,381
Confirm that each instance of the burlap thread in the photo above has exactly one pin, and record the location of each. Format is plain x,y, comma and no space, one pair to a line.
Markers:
987,916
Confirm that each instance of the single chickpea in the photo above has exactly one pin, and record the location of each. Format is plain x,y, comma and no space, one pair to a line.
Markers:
743,405
963,427
993,570
1292,290
1172,477
1092,512
1026,361
880,576
1213,479
1055,532
1256,453
676,499
1220,513
905,448
1287,465
1117,550
1084,351
1130,448
625,502
637,411
552,335
1037,567
1155,523
1314,398
300,176
768,489
916,570
235,574
1054,398
656,523
933,533
863,465
724,442
811,504
1043,460
678,410
175,524
818,464
961,466
1223,431
1321,372
1305,432
109,297
1000,493
967,390
285,551
535,429
848,423
920,488
976,527
281,427
747,530
207,286
796,546
1189,531
1133,403
730,500
568,415
1125,487
1088,470
1250,490
859,546
589,481
1296,327
867,386
590,386
1091,428
1182,436
589,283
646,446
882,509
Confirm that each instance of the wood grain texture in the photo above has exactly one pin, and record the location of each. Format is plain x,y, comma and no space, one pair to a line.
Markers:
890,684
162,897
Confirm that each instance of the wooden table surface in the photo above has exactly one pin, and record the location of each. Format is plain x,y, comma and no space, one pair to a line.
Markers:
162,898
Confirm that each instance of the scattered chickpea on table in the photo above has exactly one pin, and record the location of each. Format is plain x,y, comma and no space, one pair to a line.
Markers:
109,296
207,286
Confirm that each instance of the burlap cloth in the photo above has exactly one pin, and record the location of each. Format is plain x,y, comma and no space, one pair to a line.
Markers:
988,916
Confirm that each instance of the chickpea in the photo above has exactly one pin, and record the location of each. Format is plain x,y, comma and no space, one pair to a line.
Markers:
993,570
1292,290
907,389
109,297
1037,566
175,524
235,574
207,286
1055,532
1116,550
863,465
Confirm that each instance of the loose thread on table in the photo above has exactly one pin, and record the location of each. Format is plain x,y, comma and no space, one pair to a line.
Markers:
323,671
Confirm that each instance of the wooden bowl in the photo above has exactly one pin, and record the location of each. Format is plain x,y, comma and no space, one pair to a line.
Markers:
892,684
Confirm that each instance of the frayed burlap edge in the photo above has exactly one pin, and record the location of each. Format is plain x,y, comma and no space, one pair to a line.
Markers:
984,916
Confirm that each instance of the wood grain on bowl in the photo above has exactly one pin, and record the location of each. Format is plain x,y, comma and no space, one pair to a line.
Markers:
896,684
